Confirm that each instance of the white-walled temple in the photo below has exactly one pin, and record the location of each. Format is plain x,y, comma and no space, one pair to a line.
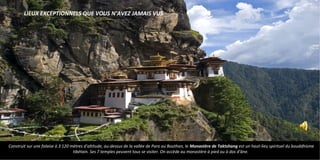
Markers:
12,116
155,80
211,67
95,114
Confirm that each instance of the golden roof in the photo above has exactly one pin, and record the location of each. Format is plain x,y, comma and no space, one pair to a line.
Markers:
158,61
157,57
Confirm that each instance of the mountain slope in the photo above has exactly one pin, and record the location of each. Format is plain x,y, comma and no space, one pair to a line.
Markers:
291,94
282,130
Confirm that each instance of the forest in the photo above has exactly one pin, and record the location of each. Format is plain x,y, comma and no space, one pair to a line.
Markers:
290,94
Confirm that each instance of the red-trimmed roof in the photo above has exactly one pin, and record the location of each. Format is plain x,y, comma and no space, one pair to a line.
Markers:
92,108
211,59
12,110
120,81
112,116
180,80
183,66
112,113
114,79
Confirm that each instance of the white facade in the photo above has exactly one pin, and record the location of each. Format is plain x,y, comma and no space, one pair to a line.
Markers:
141,77
179,92
146,101
150,75
118,98
97,117
185,93
13,118
92,117
211,73
161,76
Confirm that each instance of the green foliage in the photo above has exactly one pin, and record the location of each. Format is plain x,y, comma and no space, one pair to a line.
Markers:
115,131
2,124
34,4
281,130
291,94
54,32
196,35
48,5
52,27
54,4
164,114
45,105
33,124
2,41
189,35
3,66
229,105
58,130
83,23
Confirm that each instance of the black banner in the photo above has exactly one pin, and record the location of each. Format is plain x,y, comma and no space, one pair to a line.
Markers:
159,150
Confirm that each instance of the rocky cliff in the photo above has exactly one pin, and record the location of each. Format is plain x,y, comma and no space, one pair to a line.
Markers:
191,129
84,50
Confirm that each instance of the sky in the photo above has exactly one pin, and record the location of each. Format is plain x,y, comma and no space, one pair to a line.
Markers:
264,33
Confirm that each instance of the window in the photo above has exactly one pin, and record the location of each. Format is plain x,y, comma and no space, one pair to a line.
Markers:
150,76
7,115
118,94
109,94
113,94
172,76
96,114
122,94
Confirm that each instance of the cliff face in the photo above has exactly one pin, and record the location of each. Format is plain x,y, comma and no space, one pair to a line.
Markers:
191,129
84,50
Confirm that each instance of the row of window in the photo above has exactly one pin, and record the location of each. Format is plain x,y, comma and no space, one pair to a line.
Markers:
91,114
116,94
11,115
154,72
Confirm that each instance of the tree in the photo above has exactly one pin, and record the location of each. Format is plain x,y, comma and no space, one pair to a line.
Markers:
54,4
34,5
46,106
226,100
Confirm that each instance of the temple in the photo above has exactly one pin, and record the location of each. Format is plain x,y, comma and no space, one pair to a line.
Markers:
211,67
12,116
156,79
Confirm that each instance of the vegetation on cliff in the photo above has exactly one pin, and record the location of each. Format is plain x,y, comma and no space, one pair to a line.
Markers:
221,92
227,108
161,121
46,106
163,114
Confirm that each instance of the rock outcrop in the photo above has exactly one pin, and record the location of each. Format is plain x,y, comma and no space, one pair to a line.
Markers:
191,129
84,50
261,134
